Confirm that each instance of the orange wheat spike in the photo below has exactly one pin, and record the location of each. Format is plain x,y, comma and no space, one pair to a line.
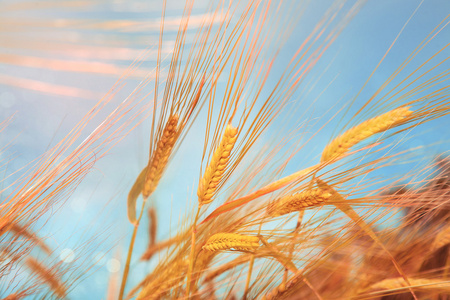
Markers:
217,166
158,162
298,202
225,241
366,129
276,185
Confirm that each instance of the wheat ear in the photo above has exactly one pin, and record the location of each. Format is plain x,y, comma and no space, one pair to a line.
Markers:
159,159
225,241
360,132
153,173
298,202
217,166
47,276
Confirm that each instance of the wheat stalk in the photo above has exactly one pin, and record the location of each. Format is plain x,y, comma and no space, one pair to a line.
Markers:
217,166
226,241
358,133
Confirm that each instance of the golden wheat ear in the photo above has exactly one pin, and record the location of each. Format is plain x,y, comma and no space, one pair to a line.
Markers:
160,157
298,202
358,133
149,177
217,166
227,241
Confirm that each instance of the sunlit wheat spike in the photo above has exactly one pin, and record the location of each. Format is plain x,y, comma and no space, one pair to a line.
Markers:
298,202
442,238
360,132
225,241
418,283
47,276
159,159
217,166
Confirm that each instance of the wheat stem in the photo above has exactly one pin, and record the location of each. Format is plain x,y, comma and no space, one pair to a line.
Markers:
130,253
192,254
250,269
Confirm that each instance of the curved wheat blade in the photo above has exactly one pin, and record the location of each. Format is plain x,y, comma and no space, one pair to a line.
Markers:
133,195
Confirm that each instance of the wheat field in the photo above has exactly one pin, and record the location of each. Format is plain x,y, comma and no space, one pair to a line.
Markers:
225,149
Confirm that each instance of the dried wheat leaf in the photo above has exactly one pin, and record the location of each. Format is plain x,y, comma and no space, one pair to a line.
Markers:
133,195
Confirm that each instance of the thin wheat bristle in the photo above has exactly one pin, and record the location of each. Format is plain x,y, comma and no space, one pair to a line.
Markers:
225,241
216,168
360,132
298,202
161,155
49,277
158,247
227,266
20,230
158,288
16,296
419,283
277,291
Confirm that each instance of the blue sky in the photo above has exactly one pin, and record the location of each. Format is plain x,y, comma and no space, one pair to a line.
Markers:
99,205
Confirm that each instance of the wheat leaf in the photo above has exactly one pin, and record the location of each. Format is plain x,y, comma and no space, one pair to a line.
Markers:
134,194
